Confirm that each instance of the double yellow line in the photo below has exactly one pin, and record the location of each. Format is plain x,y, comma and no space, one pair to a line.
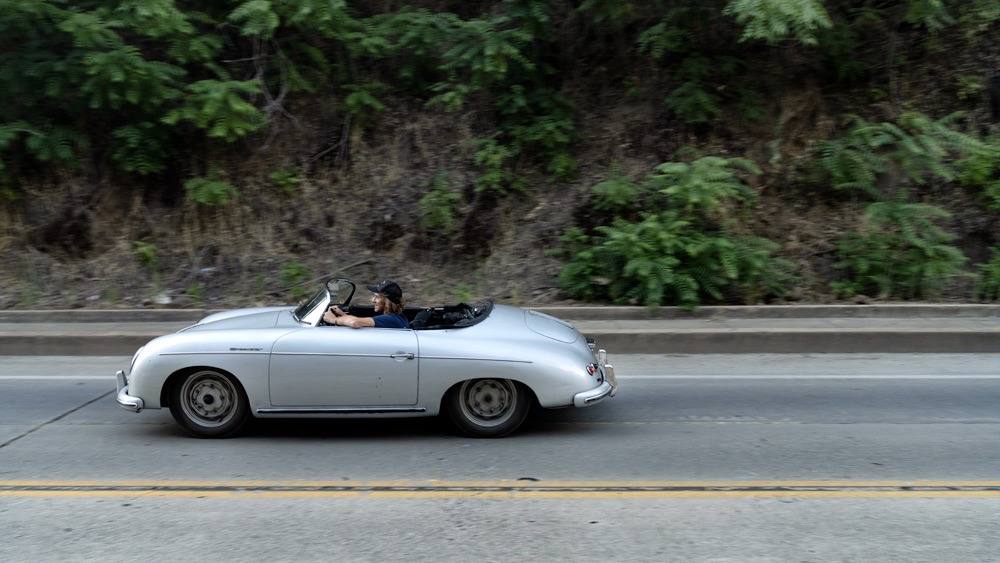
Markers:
504,489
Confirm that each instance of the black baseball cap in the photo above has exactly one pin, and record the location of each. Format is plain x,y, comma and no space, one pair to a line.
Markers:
388,288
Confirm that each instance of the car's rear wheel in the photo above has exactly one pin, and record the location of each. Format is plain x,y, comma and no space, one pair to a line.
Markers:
489,408
209,404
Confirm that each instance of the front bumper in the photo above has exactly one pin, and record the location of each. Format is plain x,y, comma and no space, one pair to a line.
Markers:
608,388
125,400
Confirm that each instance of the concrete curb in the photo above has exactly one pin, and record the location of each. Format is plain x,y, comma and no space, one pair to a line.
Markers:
677,341
574,313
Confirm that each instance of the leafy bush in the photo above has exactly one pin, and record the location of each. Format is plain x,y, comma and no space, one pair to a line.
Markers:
901,252
294,274
773,20
982,170
145,253
988,288
287,180
878,159
437,206
683,253
209,191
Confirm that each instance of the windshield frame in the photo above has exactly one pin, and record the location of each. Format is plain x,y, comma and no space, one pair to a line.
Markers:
310,311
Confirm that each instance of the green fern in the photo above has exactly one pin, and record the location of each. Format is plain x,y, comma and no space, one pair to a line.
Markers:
774,20
141,148
209,191
988,287
902,252
219,108
437,206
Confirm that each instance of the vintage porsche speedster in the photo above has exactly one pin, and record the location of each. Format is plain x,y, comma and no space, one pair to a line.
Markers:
485,365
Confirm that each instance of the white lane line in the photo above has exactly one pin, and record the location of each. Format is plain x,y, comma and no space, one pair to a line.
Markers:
788,376
56,378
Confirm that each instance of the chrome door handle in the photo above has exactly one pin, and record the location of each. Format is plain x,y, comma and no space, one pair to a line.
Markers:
403,355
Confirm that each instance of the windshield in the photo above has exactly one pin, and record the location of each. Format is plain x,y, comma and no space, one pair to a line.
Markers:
303,310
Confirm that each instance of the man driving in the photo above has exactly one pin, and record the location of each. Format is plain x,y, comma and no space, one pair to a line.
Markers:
387,299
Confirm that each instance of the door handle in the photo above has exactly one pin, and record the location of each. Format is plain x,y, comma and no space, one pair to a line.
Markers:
402,355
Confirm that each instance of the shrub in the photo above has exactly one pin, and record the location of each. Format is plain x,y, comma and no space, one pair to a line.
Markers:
686,251
208,191
286,180
294,274
901,252
988,287
437,206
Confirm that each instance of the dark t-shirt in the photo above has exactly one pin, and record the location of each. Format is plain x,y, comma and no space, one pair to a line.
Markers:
392,320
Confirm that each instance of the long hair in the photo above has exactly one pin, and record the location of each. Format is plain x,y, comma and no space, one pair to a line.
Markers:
391,307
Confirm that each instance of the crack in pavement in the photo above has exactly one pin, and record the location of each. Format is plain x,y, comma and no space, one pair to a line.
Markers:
56,419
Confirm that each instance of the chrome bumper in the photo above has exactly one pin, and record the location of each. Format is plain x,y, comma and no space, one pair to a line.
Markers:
609,388
125,400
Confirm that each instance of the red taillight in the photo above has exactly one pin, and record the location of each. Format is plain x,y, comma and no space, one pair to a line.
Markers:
591,369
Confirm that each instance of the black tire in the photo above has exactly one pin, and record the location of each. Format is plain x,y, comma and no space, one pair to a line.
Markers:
489,408
209,404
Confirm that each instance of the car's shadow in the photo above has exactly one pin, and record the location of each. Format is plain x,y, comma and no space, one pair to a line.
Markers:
539,423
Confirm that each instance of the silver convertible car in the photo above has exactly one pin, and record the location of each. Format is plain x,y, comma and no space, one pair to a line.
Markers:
485,365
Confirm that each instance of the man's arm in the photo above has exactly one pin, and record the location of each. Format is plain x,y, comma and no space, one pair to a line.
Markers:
343,319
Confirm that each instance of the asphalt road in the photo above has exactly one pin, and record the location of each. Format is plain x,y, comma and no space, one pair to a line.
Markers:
736,457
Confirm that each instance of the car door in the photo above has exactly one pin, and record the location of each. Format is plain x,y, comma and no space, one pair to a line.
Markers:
339,366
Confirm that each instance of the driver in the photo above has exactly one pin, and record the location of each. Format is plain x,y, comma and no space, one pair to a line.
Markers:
387,299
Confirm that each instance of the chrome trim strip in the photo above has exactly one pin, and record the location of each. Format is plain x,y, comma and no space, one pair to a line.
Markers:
221,352
330,354
126,401
340,410
476,359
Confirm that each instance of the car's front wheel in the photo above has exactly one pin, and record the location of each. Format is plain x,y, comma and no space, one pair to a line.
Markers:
489,408
209,404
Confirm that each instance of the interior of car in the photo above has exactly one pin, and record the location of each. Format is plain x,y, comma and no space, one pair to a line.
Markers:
436,318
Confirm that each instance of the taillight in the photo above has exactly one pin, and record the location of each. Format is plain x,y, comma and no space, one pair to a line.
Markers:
592,369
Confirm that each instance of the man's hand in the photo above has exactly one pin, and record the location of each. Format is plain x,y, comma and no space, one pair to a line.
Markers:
330,318
336,311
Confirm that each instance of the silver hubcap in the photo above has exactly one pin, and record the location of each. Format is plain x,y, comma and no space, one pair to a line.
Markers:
488,402
209,398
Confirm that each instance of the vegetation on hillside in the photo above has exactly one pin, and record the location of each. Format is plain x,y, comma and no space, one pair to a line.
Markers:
166,103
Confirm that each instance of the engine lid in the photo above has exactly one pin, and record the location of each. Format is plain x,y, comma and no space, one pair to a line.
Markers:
550,327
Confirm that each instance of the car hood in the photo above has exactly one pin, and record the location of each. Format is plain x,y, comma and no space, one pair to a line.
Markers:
258,317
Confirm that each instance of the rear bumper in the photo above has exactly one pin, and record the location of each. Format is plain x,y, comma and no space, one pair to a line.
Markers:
126,401
608,388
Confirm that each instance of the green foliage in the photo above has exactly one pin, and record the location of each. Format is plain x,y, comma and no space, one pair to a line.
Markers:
901,252
684,252
493,158
196,292
879,158
287,181
774,20
705,185
141,148
969,87
981,170
218,107
932,14
255,18
693,103
617,194
437,206
988,287
145,253
361,102
209,191
294,274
